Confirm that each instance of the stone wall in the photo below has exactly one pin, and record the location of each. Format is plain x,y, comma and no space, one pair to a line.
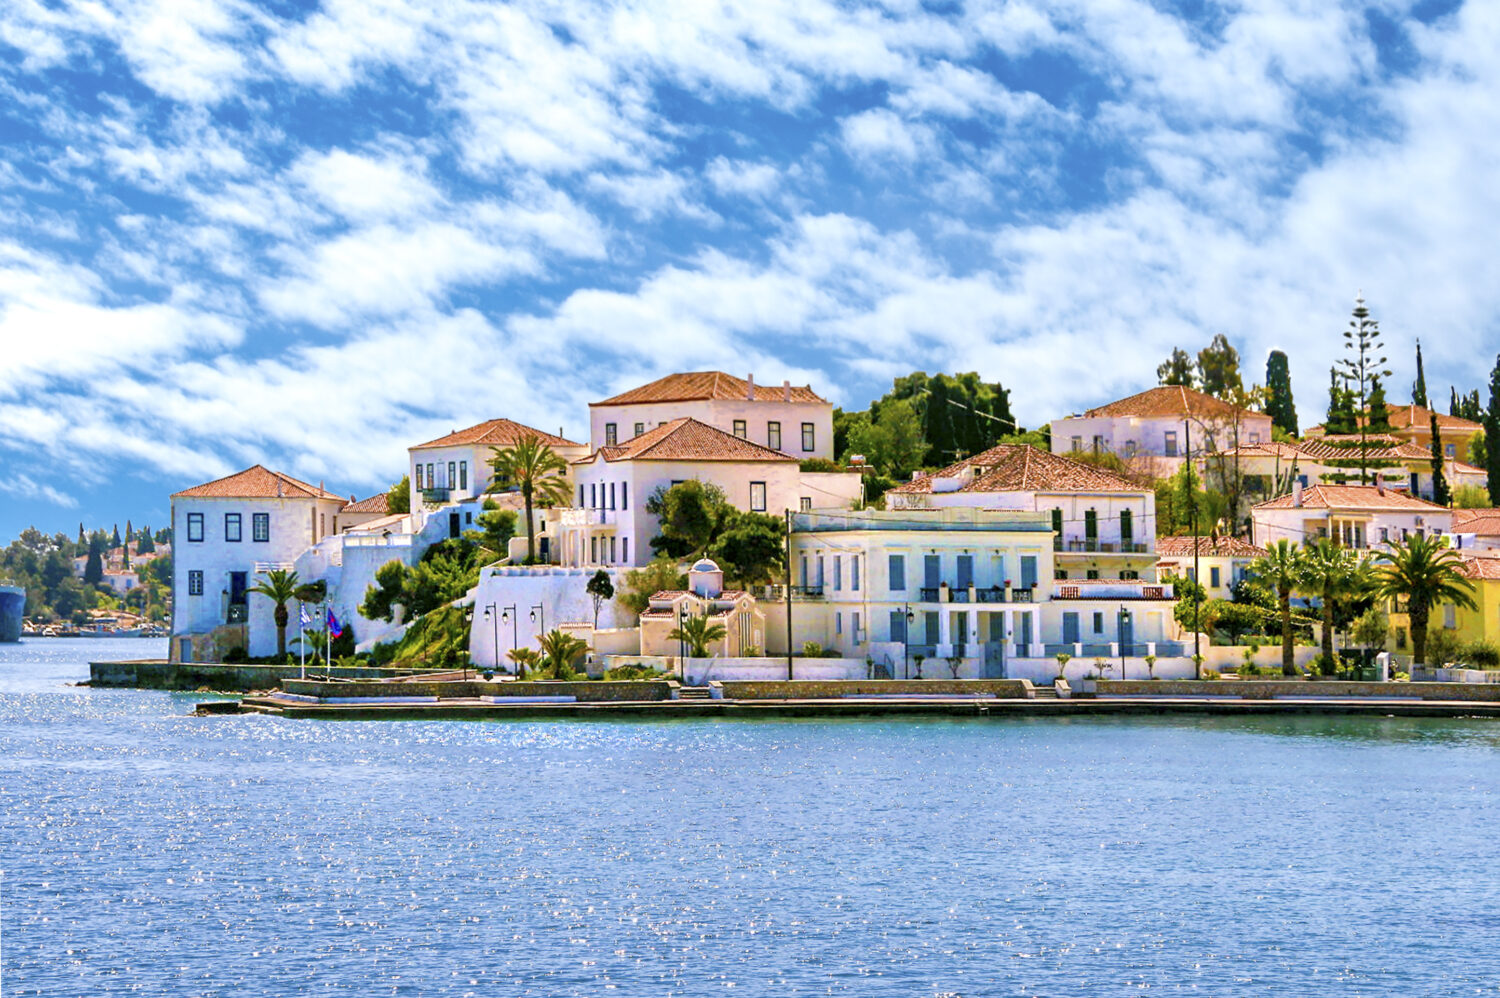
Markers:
1012,689
155,674
1257,689
595,692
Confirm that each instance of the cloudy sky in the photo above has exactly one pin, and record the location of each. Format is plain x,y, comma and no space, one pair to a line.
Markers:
311,235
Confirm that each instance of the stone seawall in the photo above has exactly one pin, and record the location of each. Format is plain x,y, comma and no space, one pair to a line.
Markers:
817,689
159,674
1271,689
590,692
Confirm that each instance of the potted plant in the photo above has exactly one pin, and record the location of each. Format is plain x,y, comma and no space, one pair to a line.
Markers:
1150,666
918,659
1063,658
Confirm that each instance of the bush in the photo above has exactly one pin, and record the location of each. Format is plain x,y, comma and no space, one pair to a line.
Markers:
1482,654
1210,674
633,670
815,464
236,656
812,649
1443,646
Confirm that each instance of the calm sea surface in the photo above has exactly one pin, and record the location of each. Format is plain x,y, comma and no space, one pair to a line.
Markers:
145,851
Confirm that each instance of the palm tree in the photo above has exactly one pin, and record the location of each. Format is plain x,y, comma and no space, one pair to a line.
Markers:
537,472
1329,571
280,587
559,651
1280,569
699,633
1425,572
525,658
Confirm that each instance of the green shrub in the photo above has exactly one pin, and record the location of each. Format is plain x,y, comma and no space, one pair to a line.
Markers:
236,655
812,649
1210,674
1482,654
1443,646
633,670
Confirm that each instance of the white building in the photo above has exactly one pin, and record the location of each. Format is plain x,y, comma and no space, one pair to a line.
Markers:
1392,462
1356,516
793,420
1160,427
1222,562
1104,526
457,466
962,584
227,533
735,610
609,525
1477,529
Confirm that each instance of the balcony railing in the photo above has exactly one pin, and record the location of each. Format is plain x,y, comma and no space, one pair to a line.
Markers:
807,592
587,517
436,495
928,595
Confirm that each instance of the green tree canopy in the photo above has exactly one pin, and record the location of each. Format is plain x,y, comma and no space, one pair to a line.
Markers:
640,584
1425,573
599,589
1219,367
1176,369
690,515
1419,387
751,547
398,496
1279,404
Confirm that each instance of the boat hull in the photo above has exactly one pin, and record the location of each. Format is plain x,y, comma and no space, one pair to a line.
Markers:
12,606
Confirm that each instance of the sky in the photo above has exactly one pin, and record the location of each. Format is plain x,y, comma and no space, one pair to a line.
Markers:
312,235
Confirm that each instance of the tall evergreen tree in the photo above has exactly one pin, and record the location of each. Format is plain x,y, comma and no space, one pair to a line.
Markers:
1279,404
937,424
1440,494
129,533
144,544
1469,407
81,540
1219,367
93,569
1492,435
1176,369
1340,408
1419,389
1453,406
1365,363
114,539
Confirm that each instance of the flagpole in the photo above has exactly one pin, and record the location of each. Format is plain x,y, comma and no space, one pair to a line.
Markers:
301,640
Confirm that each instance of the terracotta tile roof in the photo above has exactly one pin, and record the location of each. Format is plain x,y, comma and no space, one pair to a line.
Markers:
1476,521
256,482
1170,400
696,386
377,503
1023,468
1416,417
1213,547
1345,447
497,433
1273,448
686,439
1369,497
1480,566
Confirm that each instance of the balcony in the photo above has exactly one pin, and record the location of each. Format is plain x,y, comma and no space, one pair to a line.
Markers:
926,595
584,517
436,496
777,594
1111,589
1096,546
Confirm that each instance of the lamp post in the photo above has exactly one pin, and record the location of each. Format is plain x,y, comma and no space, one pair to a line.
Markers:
539,617
508,614
1124,622
906,641
494,619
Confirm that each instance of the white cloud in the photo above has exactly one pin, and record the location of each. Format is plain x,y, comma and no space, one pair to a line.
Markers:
25,487
364,188
739,177
880,134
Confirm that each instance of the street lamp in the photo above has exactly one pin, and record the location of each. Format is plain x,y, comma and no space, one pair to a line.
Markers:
906,642
1123,624
494,619
539,617
508,615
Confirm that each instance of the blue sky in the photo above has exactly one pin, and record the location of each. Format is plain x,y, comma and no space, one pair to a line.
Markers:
312,235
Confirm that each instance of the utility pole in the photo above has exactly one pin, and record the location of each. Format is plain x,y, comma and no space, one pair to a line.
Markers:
787,591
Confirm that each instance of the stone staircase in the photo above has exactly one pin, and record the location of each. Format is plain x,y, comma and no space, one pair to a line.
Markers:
694,693
1045,692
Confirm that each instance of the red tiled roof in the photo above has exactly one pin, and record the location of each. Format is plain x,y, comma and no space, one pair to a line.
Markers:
1476,521
686,439
1023,468
1346,447
1213,547
1416,417
1480,566
696,386
497,433
1352,497
1170,400
256,482
377,503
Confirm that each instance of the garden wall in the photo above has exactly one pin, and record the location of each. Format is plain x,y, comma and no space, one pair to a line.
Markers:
1010,689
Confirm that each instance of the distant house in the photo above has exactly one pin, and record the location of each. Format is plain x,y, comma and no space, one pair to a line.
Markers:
609,525
794,420
1356,516
1104,526
1413,423
1222,562
1160,427
456,467
1477,529
227,533
1390,461
357,513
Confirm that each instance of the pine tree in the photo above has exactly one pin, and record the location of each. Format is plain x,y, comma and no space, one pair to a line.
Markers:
1279,404
1439,480
1219,367
1340,411
1365,364
1176,369
1419,390
93,569
114,540
1492,435
1469,407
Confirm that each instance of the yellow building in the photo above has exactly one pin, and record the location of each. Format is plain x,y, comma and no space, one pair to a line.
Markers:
1483,570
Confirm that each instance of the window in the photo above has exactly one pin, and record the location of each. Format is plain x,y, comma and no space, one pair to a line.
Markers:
611,435
452,474
758,497
898,625
1076,444
1385,534
854,573
805,504
468,517
611,495
195,583
838,572
1060,574
195,527
854,626
1092,573
463,474
838,623
1255,438
1098,622
1098,443
773,435
1057,526
640,428
1450,616
233,528
625,549
1213,577
1448,450
260,527
739,428
1091,528
624,495
1130,574
1130,448
593,497
898,571
1170,443
1127,535
419,478
611,550
593,550
808,440
580,497
431,480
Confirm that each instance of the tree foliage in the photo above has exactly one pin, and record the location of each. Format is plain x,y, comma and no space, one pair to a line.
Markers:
1419,387
446,572
496,527
599,589
943,416
1176,369
535,470
280,587
891,439
640,584
398,496
689,514
1440,494
1425,573
1279,403
698,632
1219,367
751,547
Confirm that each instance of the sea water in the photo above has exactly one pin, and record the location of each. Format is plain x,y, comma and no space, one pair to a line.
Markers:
147,851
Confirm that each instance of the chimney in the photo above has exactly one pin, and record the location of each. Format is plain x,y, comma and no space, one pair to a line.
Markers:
786,391
750,387
1297,493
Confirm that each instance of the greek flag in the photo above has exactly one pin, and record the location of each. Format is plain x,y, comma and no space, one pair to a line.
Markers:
306,617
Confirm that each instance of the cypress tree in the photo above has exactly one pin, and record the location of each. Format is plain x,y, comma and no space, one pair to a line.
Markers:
1000,409
1380,413
1279,404
1340,407
114,540
1492,435
144,544
1419,390
1439,480
93,569
1453,406
937,424
80,536
1469,407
